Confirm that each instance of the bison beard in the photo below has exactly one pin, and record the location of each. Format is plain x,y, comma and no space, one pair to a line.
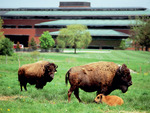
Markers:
103,77
38,73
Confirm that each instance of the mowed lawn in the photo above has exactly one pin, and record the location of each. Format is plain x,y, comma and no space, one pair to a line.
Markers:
53,97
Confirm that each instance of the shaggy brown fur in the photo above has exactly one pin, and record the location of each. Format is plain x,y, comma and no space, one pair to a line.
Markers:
110,100
36,73
103,77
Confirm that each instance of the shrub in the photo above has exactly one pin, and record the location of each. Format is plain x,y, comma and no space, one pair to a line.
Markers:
18,47
125,43
32,44
6,47
46,40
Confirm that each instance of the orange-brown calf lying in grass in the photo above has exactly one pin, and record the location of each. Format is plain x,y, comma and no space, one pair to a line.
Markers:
110,100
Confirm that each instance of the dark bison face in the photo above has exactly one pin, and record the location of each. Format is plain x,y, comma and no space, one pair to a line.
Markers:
124,78
50,69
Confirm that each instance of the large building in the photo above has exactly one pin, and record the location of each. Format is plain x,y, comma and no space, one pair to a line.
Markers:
108,26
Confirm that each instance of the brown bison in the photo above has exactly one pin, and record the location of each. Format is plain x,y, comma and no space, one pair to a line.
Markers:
103,77
38,73
109,100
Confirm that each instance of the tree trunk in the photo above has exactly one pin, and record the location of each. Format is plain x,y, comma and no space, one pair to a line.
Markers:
75,48
142,48
146,48
135,47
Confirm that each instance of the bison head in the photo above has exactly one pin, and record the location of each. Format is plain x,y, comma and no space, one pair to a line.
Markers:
98,99
50,69
123,78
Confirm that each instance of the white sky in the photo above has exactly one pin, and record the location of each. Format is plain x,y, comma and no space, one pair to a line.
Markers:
55,3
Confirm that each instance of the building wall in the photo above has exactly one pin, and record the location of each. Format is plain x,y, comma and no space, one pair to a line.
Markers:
31,32
127,31
105,43
74,4
36,32
40,31
21,32
18,22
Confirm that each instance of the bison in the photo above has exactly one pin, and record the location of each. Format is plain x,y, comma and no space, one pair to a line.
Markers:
109,100
103,77
38,73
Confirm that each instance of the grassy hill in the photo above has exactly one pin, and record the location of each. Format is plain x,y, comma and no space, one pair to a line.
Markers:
53,98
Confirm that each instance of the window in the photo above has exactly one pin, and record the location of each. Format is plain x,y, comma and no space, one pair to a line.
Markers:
24,26
9,26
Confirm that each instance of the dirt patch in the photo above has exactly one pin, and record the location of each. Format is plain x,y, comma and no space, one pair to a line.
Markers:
5,98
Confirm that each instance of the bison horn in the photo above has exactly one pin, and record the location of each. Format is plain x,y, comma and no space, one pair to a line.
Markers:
120,68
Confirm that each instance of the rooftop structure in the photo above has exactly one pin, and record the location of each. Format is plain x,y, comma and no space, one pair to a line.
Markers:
74,4
108,26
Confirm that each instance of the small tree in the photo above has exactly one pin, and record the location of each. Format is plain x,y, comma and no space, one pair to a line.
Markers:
75,36
140,33
144,35
6,47
1,32
46,40
18,46
125,43
32,44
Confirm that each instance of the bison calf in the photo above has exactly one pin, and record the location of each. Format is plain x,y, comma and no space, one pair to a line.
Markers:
38,73
103,77
109,100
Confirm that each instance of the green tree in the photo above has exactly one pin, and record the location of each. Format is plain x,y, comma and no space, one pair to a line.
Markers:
46,40
144,35
122,44
125,43
75,36
140,33
32,44
1,32
18,45
6,47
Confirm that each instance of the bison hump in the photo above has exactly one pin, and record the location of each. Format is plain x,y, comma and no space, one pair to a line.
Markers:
86,71
35,69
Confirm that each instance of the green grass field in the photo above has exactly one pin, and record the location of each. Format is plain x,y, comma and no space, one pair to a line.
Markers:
53,97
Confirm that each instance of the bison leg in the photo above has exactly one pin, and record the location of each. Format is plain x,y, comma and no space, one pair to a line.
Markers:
76,93
21,87
104,91
72,88
98,92
25,86
39,86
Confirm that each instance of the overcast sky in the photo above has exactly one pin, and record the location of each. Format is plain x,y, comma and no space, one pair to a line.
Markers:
55,3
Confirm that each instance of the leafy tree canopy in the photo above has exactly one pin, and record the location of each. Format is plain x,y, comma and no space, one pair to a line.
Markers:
6,47
32,44
46,40
75,36
1,32
140,33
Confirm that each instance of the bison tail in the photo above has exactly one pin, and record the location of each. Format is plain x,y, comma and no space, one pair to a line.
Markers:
66,77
